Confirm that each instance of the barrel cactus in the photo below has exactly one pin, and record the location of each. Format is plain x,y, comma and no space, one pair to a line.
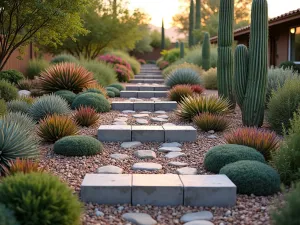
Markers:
206,52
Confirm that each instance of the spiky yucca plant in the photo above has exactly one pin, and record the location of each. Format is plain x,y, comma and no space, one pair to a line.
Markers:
55,127
198,89
18,106
86,116
66,76
183,76
178,92
195,105
262,140
23,120
22,166
207,121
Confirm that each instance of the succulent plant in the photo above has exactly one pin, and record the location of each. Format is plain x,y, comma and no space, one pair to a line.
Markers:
207,121
183,76
86,116
23,120
178,92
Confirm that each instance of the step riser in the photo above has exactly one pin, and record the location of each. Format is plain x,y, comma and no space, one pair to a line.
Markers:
143,94
116,133
163,190
147,88
156,81
148,77
144,106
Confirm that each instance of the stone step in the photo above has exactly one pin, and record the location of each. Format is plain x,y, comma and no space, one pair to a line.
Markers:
126,133
151,81
143,94
148,77
147,88
159,190
150,106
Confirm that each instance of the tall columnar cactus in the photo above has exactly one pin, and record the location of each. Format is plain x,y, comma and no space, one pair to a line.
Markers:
206,52
191,24
177,44
181,49
163,44
198,20
225,54
251,72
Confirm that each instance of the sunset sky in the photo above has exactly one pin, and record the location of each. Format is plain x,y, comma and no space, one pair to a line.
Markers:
159,9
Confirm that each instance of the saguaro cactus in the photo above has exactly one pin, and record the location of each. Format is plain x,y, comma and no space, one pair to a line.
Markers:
181,49
198,20
251,73
163,44
206,52
191,24
225,54
177,44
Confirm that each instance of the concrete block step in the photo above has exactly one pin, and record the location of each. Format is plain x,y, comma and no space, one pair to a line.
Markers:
159,189
116,133
147,88
151,81
143,94
148,77
150,106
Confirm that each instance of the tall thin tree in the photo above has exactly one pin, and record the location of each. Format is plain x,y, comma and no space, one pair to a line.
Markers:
198,20
191,24
163,43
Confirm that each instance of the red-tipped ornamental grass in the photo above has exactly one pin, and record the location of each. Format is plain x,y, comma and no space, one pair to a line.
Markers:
208,121
178,92
55,127
66,76
21,166
198,89
262,140
86,116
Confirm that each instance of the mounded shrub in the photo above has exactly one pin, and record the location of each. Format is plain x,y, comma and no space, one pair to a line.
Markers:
25,84
78,146
86,116
123,73
207,121
111,94
210,79
166,72
120,87
12,76
290,65
40,198
48,105
179,92
134,63
252,177
18,106
8,92
96,88
35,67
64,58
7,216
221,155
115,90
23,120
183,76
3,107
96,101
197,89
69,96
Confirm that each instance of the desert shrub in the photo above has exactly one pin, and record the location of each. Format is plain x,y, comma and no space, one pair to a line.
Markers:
283,103
64,58
22,166
35,67
23,120
179,92
55,127
195,105
66,76
78,146
252,177
210,79
158,61
123,73
221,155
142,61
120,87
262,140
3,107
27,99
197,89
86,116
8,92
96,101
207,121
133,62
18,106
167,71
69,96
290,65
171,55
25,84
48,105
104,73
288,212
16,141
111,94
40,198
114,60
12,76
96,88
163,65
7,216
183,76
115,90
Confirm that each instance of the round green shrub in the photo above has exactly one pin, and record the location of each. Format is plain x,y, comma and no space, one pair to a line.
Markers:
3,107
92,90
115,90
111,94
64,58
48,105
120,87
183,76
12,76
7,216
40,198
18,106
69,96
221,155
96,101
252,177
78,146
7,91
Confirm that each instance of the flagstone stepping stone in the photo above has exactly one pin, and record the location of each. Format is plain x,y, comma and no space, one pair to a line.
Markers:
145,112
128,111
139,218
212,136
211,131
172,155
156,119
140,115
187,171
202,215
171,144
132,144
110,169
122,115
160,112
118,156
163,116
147,166
169,124
177,164
199,222
142,121
119,123
124,119
145,154
169,149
